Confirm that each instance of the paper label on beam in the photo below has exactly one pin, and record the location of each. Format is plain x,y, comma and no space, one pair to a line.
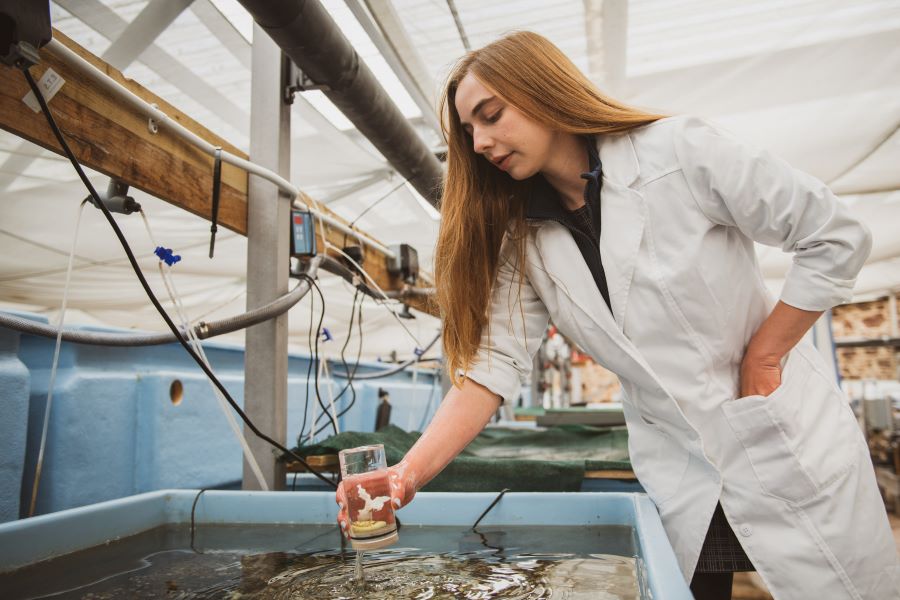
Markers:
49,84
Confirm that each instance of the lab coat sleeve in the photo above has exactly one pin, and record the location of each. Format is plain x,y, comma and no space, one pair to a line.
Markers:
776,205
516,324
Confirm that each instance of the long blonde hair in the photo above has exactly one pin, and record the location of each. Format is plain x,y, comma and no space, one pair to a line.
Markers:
479,202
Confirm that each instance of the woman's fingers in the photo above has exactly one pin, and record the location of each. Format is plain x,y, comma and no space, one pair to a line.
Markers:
341,498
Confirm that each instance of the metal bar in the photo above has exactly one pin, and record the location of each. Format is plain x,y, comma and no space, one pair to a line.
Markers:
140,34
129,41
416,81
223,30
606,30
459,26
268,260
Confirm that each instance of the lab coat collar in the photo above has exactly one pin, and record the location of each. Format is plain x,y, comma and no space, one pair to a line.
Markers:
622,218
620,166
620,161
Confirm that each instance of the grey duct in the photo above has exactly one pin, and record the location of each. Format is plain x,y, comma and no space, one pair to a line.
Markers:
202,330
309,36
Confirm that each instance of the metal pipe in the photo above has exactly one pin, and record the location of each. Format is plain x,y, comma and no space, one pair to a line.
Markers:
311,38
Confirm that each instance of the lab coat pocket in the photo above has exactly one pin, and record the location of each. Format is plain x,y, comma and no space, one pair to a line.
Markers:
659,462
800,438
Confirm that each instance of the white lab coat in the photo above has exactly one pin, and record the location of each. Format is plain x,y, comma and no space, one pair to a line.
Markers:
681,205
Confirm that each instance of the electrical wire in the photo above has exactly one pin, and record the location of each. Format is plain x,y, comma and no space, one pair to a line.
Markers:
143,281
312,305
374,204
393,370
363,272
349,384
377,287
193,523
351,373
39,467
316,351
330,393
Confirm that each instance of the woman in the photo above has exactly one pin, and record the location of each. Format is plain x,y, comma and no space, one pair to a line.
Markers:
744,443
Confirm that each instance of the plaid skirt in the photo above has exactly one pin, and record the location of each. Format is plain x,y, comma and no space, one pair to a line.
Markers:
722,552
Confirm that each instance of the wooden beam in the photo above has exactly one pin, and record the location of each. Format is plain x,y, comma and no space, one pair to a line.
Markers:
114,139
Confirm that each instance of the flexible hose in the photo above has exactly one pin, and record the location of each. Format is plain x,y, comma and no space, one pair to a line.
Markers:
201,330
39,467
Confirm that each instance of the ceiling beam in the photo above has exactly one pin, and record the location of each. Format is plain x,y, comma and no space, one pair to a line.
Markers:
606,33
385,28
140,34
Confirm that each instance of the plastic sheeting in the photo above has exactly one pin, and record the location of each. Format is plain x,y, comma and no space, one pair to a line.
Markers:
816,82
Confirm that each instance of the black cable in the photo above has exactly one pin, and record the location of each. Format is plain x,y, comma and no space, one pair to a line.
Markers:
355,367
316,352
312,305
143,281
343,352
359,346
488,509
349,384
194,508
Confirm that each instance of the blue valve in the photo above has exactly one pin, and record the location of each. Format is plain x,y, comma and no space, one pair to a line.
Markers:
165,255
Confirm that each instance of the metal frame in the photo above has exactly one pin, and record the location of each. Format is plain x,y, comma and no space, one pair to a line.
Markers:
268,257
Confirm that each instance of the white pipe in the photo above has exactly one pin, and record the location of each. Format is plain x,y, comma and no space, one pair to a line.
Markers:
117,90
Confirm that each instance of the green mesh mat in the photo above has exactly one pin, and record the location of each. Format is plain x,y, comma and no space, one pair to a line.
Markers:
522,460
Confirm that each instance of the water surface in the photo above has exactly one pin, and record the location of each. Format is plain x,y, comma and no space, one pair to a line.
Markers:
308,562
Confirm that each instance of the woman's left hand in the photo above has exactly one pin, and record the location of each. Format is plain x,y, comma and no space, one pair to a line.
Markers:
759,375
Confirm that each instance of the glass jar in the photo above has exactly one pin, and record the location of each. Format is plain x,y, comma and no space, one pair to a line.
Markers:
368,488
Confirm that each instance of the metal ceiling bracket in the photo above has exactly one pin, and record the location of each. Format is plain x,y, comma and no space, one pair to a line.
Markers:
298,81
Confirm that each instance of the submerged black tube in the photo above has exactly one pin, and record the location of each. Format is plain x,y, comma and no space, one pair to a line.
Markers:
305,31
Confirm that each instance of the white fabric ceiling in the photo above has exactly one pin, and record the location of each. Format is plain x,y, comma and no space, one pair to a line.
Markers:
816,82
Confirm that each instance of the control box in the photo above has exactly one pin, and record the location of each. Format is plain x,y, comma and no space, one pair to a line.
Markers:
405,264
303,233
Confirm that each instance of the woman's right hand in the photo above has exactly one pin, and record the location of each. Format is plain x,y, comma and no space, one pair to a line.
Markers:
403,483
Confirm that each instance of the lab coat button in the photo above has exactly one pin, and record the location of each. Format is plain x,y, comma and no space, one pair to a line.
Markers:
746,530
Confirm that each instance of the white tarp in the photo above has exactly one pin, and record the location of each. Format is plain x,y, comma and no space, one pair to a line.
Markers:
816,82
